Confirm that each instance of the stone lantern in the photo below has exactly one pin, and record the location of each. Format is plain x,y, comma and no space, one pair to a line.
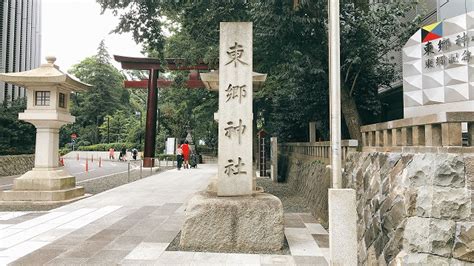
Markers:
48,93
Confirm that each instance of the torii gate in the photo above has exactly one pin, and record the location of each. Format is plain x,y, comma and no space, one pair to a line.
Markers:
154,65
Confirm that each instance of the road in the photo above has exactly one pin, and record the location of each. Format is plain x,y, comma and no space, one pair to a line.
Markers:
77,168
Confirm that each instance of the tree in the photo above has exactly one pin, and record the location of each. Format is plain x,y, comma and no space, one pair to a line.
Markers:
105,97
290,44
18,137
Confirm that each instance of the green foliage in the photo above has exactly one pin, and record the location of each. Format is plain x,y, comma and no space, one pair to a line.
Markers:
64,151
290,44
168,157
17,137
107,97
182,109
142,19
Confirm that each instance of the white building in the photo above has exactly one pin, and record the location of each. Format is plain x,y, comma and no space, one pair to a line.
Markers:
20,41
434,10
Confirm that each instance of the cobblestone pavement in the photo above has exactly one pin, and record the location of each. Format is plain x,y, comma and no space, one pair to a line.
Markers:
134,224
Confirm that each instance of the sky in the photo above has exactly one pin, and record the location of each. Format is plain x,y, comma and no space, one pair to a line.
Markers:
72,30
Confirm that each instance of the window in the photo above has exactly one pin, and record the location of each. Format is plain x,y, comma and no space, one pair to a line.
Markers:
42,98
62,100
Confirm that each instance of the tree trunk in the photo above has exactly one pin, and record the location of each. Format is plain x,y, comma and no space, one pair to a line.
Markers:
351,115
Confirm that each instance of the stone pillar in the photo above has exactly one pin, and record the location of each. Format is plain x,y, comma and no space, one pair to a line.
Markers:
274,158
235,109
47,148
343,227
312,132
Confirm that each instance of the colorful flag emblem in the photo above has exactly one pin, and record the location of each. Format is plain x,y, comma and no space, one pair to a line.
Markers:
432,32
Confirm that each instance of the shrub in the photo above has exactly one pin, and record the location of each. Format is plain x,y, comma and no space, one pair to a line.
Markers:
107,146
64,151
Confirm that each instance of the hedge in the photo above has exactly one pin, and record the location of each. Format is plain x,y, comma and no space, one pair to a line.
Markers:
107,146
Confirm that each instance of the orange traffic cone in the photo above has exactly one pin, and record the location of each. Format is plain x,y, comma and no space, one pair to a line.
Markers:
87,164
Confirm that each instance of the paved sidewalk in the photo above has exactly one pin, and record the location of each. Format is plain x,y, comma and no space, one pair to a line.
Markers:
133,224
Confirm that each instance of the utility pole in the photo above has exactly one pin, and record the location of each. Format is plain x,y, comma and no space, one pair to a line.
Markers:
341,202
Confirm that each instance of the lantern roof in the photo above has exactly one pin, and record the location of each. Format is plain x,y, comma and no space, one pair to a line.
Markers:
47,74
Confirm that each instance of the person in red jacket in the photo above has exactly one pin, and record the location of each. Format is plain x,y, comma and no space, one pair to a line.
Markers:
185,148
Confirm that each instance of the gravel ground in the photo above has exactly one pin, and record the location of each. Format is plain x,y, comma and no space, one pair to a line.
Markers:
291,201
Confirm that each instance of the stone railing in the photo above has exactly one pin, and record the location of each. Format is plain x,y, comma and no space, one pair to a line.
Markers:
317,150
441,132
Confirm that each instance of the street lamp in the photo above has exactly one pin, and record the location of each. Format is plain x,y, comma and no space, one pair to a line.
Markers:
108,129
139,115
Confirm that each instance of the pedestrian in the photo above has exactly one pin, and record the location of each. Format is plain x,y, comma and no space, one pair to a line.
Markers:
179,156
111,154
185,148
123,152
134,153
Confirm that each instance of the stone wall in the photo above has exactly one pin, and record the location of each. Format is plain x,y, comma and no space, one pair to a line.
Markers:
310,178
412,208
16,164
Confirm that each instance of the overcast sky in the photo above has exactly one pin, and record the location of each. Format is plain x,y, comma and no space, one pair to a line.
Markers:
72,30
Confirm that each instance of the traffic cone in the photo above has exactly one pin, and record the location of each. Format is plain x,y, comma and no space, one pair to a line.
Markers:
87,164
100,161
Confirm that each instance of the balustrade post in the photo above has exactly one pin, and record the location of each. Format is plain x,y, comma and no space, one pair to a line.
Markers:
406,133
378,138
365,140
418,136
395,141
433,135
451,134
372,138
387,137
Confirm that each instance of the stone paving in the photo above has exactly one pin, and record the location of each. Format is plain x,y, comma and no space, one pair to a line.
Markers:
134,224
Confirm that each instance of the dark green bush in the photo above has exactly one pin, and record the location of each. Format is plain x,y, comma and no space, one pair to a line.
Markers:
169,157
64,151
107,146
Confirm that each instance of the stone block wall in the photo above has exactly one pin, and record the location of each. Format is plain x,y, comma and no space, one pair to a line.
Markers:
412,208
309,178
16,164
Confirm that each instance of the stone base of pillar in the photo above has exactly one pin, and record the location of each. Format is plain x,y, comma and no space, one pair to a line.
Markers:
342,226
42,186
239,224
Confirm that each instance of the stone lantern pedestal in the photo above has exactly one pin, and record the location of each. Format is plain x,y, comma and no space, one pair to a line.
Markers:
48,96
